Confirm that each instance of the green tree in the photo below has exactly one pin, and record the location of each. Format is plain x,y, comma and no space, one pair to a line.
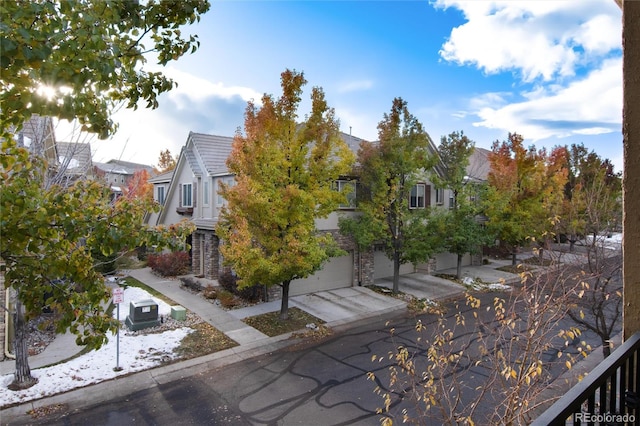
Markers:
284,179
524,193
80,59
48,237
593,209
460,232
393,212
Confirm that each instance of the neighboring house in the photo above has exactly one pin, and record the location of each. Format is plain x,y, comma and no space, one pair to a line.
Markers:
75,160
160,184
117,174
191,191
38,135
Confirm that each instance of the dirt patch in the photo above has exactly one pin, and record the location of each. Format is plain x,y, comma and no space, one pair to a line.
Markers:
271,324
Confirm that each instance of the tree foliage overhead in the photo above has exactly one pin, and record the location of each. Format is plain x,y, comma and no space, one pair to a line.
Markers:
285,172
388,171
79,59
525,190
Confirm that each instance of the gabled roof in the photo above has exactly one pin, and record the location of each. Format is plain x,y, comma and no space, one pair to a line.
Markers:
162,177
75,157
212,152
123,167
478,168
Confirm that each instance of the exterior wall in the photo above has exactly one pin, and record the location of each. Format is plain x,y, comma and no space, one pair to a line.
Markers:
631,181
450,260
184,175
205,254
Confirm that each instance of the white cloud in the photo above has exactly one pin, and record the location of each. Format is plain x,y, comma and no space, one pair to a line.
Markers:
537,39
591,105
195,105
355,85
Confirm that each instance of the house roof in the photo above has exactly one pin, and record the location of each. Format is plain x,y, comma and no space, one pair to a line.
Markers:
123,167
211,150
75,157
38,135
162,177
478,168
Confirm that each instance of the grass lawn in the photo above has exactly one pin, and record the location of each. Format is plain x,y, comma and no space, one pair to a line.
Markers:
271,324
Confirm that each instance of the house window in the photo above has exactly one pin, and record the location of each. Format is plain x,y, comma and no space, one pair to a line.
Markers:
417,196
440,196
205,192
349,188
160,194
452,200
229,181
187,195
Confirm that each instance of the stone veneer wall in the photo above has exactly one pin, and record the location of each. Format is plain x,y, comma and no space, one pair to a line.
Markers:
211,254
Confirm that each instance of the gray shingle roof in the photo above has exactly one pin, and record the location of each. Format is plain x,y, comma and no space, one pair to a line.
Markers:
75,157
478,168
213,151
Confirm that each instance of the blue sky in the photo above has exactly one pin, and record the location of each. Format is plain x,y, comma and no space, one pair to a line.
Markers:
549,70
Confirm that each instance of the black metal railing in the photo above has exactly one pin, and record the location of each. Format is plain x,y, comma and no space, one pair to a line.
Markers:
609,395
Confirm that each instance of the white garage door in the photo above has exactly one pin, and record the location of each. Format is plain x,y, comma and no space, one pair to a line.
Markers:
383,266
450,260
336,273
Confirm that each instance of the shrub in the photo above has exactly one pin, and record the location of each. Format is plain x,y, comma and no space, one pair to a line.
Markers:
227,299
228,281
210,292
169,264
191,283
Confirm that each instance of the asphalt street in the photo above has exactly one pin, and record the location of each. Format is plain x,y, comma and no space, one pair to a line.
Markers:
314,383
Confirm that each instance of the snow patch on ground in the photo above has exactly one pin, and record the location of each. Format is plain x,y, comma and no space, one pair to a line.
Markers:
137,353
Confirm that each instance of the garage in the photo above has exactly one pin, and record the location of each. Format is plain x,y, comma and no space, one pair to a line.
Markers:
336,273
383,266
450,261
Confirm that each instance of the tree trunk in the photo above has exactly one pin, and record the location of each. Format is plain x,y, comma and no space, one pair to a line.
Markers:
284,306
459,267
513,256
396,272
22,376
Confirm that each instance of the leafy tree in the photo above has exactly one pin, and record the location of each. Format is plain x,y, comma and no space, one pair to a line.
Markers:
491,361
80,59
592,208
285,173
166,162
592,197
389,171
48,237
524,193
461,233
139,186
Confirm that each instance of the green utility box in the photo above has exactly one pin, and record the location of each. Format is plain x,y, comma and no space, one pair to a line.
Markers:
178,313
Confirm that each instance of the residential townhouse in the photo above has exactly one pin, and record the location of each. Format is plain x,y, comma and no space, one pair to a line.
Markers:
117,173
191,191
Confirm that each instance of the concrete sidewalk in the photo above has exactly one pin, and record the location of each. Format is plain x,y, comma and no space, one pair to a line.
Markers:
338,308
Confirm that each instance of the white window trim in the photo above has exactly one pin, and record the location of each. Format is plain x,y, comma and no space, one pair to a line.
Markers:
351,197
161,188
184,186
205,192
424,196
439,196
